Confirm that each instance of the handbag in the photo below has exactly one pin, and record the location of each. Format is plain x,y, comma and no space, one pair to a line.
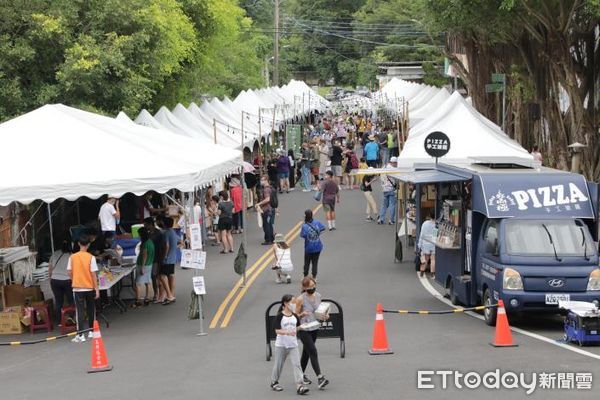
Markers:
318,195
418,260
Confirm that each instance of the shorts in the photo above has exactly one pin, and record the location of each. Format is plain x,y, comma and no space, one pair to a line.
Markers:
372,163
337,170
225,224
167,269
329,207
314,170
283,175
425,256
146,278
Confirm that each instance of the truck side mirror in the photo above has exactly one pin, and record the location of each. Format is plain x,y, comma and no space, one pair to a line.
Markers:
496,247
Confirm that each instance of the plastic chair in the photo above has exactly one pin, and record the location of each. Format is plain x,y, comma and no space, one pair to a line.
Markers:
67,314
43,312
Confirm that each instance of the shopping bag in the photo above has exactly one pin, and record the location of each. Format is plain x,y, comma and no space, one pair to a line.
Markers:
239,264
318,195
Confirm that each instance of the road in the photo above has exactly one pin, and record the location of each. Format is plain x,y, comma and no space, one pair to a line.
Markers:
156,353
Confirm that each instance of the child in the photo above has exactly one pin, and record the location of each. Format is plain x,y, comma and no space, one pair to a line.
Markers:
144,263
286,327
283,259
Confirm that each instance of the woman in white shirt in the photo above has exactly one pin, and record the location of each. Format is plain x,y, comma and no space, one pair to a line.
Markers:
286,326
283,259
426,245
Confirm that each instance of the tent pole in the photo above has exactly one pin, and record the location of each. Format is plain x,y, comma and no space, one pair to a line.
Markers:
215,129
50,225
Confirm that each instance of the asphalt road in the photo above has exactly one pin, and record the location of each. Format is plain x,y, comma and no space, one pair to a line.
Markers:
156,353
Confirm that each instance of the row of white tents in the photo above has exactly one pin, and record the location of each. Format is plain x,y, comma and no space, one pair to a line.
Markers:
472,136
62,152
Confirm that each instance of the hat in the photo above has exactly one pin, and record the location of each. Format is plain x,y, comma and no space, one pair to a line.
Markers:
394,159
279,238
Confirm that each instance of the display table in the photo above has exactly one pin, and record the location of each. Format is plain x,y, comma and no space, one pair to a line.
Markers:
114,286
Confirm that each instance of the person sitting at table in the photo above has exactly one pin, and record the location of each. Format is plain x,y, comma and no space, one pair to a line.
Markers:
144,263
83,270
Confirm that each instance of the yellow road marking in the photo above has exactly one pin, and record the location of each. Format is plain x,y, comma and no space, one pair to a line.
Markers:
250,279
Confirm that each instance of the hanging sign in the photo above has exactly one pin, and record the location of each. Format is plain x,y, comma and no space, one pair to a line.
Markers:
199,287
437,144
195,237
195,259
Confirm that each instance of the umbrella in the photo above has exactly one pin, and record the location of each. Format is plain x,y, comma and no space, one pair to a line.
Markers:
248,167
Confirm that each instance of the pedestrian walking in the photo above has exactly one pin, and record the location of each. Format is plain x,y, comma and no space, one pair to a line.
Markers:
372,152
287,326
367,189
389,195
283,172
426,246
60,281
225,211
351,163
267,212
167,269
311,233
315,162
331,196
292,175
237,197
283,266
336,161
323,156
82,269
144,263
305,156
306,305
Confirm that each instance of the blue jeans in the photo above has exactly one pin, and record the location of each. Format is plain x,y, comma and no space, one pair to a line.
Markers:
306,177
267,220
389,202
386,156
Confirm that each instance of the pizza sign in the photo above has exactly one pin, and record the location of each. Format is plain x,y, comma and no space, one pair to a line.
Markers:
437,144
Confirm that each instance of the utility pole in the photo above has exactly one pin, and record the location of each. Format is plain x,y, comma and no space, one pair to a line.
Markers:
276,47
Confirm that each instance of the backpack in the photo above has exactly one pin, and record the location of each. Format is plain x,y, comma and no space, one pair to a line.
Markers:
354,160
273,200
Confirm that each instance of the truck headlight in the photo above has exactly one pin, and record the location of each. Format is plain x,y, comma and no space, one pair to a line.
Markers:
594,281
512,280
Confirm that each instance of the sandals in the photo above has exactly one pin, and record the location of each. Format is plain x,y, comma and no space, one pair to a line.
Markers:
222,252
137,304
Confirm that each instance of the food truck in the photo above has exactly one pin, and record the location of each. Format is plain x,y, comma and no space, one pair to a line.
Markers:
525,234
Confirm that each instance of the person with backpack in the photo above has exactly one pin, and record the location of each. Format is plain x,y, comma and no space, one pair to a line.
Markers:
287,325
264,206
283,260
311,233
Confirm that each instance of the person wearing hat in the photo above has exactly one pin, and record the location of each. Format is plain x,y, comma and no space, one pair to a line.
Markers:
283,266
389,194
372,152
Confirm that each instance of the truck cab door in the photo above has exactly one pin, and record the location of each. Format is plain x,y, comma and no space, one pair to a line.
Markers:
488,269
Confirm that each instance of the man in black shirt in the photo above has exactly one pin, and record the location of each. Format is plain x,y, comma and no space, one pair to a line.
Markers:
336,161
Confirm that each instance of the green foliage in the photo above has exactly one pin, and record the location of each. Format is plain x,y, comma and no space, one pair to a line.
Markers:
113,55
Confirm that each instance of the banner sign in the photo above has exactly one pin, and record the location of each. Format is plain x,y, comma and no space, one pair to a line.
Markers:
536,196
293,138
199,287
195,259
437,144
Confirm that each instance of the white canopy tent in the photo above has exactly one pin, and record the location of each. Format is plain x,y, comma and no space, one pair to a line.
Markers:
73,153
207,130
471,136
418,114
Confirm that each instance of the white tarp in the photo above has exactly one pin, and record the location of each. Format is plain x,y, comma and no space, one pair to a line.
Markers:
471,135
62,152
416,115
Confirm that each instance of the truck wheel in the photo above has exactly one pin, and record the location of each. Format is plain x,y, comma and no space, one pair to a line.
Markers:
452,294
489,314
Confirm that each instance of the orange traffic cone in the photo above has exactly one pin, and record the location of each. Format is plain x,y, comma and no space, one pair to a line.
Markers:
380,342
99,359
503,335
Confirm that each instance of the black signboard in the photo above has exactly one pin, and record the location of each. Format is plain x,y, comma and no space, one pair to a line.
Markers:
437,144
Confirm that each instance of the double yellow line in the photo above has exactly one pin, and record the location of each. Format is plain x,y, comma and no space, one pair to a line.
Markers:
251,274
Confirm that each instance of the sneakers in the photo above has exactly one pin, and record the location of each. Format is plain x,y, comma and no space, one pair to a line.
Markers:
278,280
392,223
79,338
288,279
90,335
302,390
379,222
276,387
322,381
306,190
305,380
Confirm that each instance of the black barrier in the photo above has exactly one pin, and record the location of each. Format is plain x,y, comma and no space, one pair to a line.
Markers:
441,312
333,328
44,340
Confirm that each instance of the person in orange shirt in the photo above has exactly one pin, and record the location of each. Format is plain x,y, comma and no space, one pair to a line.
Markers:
82,268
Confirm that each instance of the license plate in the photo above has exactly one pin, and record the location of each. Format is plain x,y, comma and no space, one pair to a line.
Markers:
552,298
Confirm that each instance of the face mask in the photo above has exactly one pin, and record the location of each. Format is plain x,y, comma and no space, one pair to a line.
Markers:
292,307
311,290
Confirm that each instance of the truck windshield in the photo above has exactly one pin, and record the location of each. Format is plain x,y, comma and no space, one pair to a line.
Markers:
543,238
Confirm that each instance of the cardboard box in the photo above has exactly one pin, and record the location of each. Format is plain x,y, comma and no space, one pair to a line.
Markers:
17,295
10,321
